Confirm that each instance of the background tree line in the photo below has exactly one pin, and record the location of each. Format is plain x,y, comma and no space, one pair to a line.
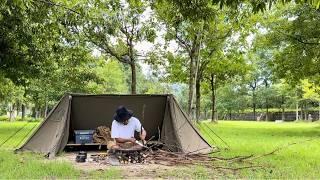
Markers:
217,57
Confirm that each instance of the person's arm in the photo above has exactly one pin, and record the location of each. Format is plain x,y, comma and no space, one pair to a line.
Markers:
123,140
143,134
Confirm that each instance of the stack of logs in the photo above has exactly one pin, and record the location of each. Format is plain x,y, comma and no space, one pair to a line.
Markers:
102,135
131,157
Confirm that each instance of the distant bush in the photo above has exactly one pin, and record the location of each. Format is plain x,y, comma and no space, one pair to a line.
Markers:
29,119
4,118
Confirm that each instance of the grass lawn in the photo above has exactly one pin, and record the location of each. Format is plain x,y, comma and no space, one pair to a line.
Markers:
297,161
34,166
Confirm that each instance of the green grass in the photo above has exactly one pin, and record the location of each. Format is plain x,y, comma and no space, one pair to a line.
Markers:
300,161
297,161
34,166
8,129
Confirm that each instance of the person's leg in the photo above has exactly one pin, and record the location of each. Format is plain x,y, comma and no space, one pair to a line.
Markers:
112,145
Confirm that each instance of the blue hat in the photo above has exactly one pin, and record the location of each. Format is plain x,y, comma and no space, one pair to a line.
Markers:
122,114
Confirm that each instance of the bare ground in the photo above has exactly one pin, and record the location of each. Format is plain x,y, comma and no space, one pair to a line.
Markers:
143,171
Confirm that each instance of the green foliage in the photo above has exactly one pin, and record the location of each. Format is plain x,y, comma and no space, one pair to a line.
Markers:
112,75
9,92
232,98
201,9
294,37
28,119
114,28
177,70
4,118
310,91
25,40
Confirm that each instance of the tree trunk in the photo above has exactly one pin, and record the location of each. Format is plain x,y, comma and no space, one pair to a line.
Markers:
11,113
213,98
23,110
301,111
297,110
267,110
205,114
319,112
46,109
267,103
198,97
23,105
254,103
283,109
192,78
305,111
17,108
194,54
38,112
133,78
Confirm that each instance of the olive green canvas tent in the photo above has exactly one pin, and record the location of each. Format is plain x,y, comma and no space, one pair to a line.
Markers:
160,115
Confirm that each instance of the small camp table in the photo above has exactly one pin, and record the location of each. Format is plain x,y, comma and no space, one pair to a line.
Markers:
73,144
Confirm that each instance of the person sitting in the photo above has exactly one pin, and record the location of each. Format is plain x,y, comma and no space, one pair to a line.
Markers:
124,126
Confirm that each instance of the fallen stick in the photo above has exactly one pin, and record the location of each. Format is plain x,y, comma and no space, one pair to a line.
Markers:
238,168
279,149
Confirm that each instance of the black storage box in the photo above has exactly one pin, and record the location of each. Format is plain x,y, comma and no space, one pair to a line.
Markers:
84,136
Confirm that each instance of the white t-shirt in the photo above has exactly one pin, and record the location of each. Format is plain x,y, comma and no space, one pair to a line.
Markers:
119,130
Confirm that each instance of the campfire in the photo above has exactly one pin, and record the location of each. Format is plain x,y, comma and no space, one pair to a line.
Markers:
155,152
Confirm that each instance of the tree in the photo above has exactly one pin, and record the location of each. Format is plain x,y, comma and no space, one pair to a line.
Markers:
115,28
189,35
10,94
218,31
199,9
311,92
28,37
221,69
29,34
231,98
293,35
112,77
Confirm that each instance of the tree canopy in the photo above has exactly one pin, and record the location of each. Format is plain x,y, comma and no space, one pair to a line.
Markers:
218,57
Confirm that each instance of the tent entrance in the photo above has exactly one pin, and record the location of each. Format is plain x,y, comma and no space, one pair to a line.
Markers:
90,112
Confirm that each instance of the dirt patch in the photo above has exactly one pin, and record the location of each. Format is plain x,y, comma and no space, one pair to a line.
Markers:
139,171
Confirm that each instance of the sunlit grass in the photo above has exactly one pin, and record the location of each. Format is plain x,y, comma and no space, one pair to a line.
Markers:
35,166
19,131
300,161
244,138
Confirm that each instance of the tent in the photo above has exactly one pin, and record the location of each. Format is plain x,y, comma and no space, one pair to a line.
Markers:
160,115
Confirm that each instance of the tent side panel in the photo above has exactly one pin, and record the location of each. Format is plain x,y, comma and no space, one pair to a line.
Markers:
190,139
168,133
65,130
47,137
